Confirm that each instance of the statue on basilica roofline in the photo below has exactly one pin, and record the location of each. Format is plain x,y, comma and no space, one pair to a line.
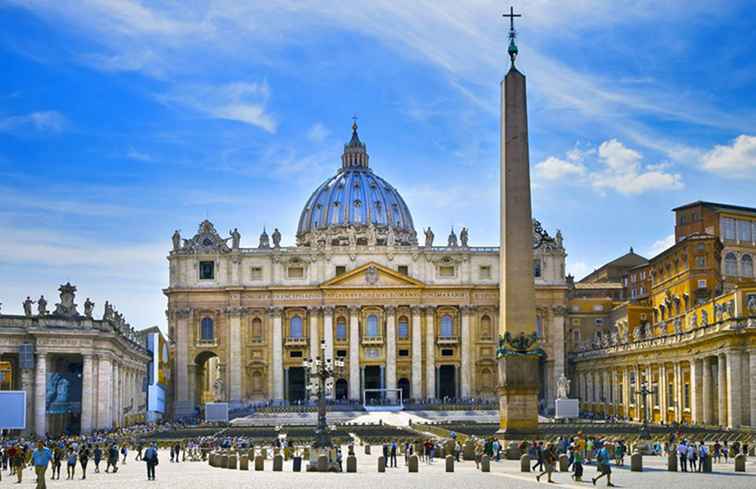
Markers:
276,238
235,239
452,239
176,238
372,235
558,239
464,235
28,306
88,308
42,305
264,241
390,237
429,238
107,314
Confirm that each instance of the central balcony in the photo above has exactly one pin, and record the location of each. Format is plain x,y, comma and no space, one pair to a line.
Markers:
295,341
447,340
372,340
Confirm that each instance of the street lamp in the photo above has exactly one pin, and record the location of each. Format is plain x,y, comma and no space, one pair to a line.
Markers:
644,393
321,383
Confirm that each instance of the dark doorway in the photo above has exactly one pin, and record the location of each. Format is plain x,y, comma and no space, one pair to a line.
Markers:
297,391
447,381
342,390
404,385
373,381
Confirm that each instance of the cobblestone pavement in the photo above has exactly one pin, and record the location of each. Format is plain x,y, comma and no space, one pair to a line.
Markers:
505,474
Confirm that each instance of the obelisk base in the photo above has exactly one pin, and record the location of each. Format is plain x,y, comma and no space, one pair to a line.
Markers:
518,402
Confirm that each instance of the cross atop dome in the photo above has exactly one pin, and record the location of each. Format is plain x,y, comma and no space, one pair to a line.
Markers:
512,34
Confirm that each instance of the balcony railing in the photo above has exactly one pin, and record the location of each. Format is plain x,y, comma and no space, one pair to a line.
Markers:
207,343
448,340
372,340
295,341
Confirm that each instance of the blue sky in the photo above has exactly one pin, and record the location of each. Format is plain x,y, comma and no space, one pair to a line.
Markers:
121,121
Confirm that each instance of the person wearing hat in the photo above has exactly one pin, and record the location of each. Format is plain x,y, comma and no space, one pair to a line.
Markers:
603,466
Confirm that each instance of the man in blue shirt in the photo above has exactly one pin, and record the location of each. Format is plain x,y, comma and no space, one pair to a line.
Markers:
41,458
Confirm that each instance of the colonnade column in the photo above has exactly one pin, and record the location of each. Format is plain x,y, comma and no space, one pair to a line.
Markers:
314,333
430,354
465,347
707,388
734,393
662,389
417,354
183,404
678,391
104,400
391,351
40,395
234,356
722,389
696,403
277,356
626,391
354,353
328,340
87,391
752,376
27,385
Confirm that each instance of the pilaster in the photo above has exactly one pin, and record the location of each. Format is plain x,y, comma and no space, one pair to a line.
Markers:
40,395
734,394
354,354
87,393
430,353
417,353
391,351
722,389
277,354
465,350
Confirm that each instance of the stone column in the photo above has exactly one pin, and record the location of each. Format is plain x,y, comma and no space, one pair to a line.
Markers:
391,351
183,404
662,386
27,385
465,352
677,389
626,391
752,386
104,393
277,356
328,340
430,353
234,355
708,387
87,393
314,333
722,389
115,392
40,395
734,394
417,353
696,403
354,354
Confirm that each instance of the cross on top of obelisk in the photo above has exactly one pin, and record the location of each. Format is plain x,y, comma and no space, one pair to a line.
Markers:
512,34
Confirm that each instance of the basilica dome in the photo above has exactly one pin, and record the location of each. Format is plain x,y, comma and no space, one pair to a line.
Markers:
355,206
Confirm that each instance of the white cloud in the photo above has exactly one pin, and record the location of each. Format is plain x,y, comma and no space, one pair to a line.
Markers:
579,269
318,133
134,154
736,160
661,245
45,121
553,168
239,101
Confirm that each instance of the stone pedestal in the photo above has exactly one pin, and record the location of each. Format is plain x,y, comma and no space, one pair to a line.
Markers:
740,462
525,463
485,463
468,453
381,464
518,398
351,463
259,463
707,464
296,464
277,463
306,454
672,461
264,453
450,463
232,462
449,447
244,462
564,463
636,462
211,460
323,463
367,449
222,461
412,464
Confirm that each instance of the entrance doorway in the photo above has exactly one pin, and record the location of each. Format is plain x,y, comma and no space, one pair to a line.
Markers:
404,385
373,381
447,381
342,390
297,389
207,385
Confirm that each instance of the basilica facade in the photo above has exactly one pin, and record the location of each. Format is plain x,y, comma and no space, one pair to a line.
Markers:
417,320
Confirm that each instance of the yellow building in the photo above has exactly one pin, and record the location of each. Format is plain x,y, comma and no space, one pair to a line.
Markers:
685,327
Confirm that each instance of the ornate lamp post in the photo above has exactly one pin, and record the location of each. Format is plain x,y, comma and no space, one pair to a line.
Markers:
643,393
322,373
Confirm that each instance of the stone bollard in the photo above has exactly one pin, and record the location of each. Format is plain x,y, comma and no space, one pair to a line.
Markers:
306,454
264,453
672,461
222,461
707,465
259,463
231,462
351,463
636,462
211,459
449,447
564,463
244,462
412,465
367,449
276,451
277,463
296,464
251,454
524,463
740,462
485,463
381,464
323,463
468,451
450,463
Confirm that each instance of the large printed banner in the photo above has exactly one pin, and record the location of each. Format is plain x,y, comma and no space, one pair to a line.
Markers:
13,410
63,393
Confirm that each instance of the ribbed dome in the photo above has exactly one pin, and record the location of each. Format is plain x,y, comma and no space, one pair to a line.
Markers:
355,198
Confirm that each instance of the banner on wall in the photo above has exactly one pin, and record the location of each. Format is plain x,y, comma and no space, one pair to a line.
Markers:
13,412
63,393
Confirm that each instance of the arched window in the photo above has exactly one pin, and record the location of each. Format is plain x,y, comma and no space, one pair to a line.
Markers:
403,328
485,327
447,326
341,329
372,326
731,264
257,328
746,264
207,329
295,327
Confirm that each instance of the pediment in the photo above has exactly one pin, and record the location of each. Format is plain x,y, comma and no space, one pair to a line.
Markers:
372,275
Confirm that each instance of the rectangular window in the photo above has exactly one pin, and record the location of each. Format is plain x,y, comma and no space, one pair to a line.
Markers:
485,272
727,228
295,272
256,273
686,396
295,354
446,271
700,261
403,269
403,353
447,352
599,322
744,230
702,284
536,268
403,330
206,270
642,291
340,269
341,353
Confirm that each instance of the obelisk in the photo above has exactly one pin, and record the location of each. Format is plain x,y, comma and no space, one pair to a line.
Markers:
518,352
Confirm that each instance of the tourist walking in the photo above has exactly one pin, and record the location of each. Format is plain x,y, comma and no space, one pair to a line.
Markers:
112,459
682,454
41,457
84,460
536,453
124,452
151,459
703,455
577,464
97,458
603,466
57,461
71,464
393,455
549,462
692,456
